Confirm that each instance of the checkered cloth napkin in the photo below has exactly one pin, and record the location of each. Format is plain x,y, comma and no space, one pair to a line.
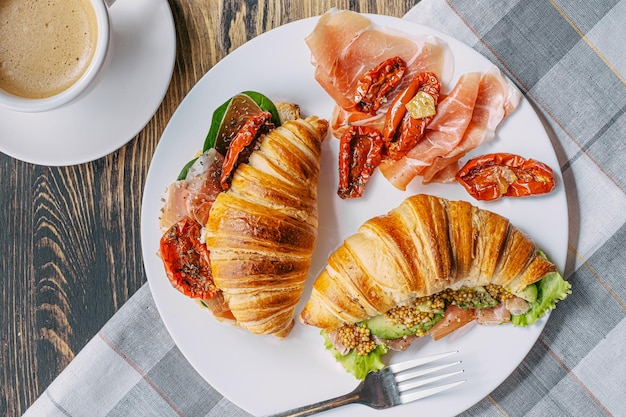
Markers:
568,59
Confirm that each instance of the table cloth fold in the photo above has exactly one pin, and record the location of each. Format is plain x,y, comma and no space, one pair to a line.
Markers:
567,58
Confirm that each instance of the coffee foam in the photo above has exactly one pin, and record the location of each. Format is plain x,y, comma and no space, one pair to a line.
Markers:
45,46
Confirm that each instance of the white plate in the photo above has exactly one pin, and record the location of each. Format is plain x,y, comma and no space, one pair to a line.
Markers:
264,375
116,108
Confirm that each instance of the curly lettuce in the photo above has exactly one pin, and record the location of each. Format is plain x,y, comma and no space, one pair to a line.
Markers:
550,289
358,365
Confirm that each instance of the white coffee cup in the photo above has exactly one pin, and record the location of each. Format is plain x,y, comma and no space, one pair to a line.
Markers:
16,93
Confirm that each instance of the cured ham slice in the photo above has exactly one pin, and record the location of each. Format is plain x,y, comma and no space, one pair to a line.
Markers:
443,134
175,207
193,197
344,45
495,315
497,98
456,129
342,119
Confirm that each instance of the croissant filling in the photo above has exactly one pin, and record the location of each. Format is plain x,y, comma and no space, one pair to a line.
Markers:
400,326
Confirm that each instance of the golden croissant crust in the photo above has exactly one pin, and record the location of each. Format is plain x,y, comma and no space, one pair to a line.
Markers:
423,246
262,231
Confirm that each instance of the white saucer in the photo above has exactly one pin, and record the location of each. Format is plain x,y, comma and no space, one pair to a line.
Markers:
117,108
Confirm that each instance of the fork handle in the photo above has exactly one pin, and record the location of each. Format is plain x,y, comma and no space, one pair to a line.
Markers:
311,409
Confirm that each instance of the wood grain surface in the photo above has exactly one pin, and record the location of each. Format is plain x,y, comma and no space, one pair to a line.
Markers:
70,250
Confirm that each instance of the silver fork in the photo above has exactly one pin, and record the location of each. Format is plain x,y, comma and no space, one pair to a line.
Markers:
389,387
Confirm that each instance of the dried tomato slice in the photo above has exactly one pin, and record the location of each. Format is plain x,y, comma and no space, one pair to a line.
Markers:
186,260
360,152
492,176
239,149
402,132
373,86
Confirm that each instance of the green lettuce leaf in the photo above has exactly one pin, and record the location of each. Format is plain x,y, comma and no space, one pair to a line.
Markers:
358,365
550,289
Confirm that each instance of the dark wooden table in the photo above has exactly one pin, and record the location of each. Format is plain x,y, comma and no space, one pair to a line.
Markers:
70,250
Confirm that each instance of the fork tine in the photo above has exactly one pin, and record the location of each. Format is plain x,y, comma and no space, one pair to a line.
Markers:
405,377
405,386
410,397
399,367
411,374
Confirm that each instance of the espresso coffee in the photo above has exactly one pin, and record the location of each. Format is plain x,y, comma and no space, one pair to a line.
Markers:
45,45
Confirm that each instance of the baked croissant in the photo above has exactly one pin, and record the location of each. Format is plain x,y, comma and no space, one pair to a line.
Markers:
262,231
425,245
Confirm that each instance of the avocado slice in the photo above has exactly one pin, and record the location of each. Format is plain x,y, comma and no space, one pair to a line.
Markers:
382,327
529,293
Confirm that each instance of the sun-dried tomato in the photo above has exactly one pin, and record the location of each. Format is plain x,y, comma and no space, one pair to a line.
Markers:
401,132
492,176
373,86
360,152
239,149
186,260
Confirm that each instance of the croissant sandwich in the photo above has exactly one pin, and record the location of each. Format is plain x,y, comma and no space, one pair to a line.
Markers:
429,266
241,222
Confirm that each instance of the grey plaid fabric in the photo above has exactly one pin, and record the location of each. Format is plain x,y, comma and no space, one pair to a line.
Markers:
568,58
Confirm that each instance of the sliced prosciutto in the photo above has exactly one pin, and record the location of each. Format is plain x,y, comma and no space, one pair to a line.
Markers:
344,45
497,98
347,48
194,196
456,129
453,319
495,315
443,134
